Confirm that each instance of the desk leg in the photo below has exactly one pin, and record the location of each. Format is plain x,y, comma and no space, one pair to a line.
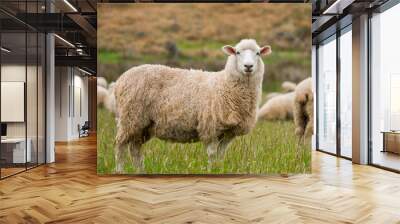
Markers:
384,142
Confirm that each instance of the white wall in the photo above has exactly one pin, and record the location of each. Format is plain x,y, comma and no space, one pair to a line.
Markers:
70,83
62,81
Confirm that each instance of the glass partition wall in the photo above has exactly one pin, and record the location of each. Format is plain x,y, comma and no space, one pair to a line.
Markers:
334,104
22,101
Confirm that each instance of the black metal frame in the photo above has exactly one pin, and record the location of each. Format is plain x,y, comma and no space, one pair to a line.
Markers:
44,78
337,34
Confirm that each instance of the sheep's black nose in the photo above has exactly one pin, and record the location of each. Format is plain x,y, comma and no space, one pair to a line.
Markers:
248,66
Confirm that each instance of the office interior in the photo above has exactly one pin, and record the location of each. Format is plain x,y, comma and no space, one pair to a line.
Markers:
48,76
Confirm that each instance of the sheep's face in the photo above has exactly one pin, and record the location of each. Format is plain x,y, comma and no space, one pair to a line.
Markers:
247,57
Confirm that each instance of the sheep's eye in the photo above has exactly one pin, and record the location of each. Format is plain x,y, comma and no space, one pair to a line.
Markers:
258,53
237,52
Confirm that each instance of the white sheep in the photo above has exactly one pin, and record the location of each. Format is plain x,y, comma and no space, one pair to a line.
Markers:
102,82
288,86
102,94
278,108
303,108
272,95
109,102
182,105
111,85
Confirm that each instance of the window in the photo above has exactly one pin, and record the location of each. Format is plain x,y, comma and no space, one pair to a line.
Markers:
346,95
385,89
327,95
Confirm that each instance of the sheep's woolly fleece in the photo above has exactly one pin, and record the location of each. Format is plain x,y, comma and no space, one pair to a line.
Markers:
279,107
102,95
288,86
102,82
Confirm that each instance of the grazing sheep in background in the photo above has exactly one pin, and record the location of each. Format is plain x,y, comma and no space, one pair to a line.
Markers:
102,82
111,86
288,86
109,102
278,108
303,108
272,95
102,94
185,106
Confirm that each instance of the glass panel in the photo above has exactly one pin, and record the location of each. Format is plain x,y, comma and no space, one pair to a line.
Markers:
327,96
41,98
346,94
31,98
385,86
13,86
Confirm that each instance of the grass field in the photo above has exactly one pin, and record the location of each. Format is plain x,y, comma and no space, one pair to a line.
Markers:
191,36
271,148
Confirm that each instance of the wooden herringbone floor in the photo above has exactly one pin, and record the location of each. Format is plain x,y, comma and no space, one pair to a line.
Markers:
69,191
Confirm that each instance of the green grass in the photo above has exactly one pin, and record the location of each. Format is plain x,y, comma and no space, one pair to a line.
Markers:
271,148
185,45
278,56
109,57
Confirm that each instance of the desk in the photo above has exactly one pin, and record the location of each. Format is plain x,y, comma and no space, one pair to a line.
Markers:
391,141
15,148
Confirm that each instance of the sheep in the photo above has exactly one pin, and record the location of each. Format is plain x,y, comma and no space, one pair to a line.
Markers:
185,106
111,86
109,102
303,109
102,82
288,86
272,95
278,108
102,94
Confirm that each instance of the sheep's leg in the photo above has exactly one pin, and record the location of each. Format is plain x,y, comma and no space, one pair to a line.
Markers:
298,116
309,129
137,156
212,150
119,162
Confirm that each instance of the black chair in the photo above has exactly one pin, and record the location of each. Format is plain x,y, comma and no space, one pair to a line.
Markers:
84,130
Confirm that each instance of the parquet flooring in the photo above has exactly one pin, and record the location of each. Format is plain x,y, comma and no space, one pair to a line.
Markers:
69,191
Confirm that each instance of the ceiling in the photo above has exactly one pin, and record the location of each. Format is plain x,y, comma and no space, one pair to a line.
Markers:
74,22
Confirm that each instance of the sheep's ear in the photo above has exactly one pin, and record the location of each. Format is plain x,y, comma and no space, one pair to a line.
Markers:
266,50
229,50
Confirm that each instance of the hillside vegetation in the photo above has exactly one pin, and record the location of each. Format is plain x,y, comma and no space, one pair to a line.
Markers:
191,36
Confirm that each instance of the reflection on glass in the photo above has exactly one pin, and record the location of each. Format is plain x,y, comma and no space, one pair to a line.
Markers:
327,96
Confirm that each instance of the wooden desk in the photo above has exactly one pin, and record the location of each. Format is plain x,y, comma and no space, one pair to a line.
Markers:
391,141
